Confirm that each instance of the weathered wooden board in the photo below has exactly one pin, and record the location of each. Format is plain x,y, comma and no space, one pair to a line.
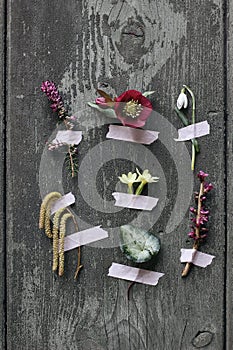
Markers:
229,183
2,204
114,45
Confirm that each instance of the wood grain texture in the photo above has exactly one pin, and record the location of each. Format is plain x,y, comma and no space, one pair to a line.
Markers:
114,45
2,215
229,105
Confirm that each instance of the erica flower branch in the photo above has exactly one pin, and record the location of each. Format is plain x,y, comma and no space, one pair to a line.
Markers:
201,217
57,105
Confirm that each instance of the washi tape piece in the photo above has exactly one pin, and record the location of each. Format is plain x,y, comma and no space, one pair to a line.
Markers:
134,201
68,137
195,257
63,202
90,235
126,133
134,274
193,131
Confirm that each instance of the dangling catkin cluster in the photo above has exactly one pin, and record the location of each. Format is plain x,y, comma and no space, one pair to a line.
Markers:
64,218
45,209
56,221
59,225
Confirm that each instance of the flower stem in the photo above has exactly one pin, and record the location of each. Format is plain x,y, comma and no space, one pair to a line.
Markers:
140,188
186,123
193,121
193,157
130,188
193,102
71,162
70,152
197,230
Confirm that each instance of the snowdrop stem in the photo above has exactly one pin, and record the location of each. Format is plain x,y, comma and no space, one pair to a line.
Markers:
193,121
186,123
193,102
193,157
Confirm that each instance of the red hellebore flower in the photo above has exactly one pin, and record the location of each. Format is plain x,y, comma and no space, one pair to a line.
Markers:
132,108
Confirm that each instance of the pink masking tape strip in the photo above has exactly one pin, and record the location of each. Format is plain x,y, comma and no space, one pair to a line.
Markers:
68,137
134,274
126,133
195,257
193,131
134,201
84,237
63,202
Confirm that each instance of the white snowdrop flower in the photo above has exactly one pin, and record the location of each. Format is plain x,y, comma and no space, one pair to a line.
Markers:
182,101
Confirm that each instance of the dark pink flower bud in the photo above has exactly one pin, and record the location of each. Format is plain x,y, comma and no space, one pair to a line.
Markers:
191,234
208,187
204,212
201,175
101,102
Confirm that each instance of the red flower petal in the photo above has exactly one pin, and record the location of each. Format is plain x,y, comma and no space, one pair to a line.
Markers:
136,96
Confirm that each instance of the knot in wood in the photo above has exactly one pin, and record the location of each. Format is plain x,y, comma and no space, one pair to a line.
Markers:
131,41
202,339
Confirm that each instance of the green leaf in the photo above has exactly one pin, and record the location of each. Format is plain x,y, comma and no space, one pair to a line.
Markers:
186,123
148,93
137,244
181,116
108,112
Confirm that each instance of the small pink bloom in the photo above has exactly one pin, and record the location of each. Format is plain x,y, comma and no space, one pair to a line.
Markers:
101,102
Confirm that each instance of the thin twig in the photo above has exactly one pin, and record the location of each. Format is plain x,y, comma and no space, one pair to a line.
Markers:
70,152
129,288
71,162
79,265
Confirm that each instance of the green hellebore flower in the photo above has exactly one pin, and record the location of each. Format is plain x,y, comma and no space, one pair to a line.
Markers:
146,177
128,179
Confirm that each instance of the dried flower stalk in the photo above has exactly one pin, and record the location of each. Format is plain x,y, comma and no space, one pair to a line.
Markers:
199,231
51,91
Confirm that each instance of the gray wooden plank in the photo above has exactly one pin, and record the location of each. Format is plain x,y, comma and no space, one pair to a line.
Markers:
2,187
147,45
229,105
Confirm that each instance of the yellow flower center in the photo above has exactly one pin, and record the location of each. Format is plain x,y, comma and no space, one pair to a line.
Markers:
132,109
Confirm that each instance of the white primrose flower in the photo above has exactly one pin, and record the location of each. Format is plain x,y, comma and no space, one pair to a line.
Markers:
146,177
182,101
128,179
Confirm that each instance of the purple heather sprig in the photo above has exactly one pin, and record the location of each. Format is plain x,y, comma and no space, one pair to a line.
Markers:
57,105
51,91
198,228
